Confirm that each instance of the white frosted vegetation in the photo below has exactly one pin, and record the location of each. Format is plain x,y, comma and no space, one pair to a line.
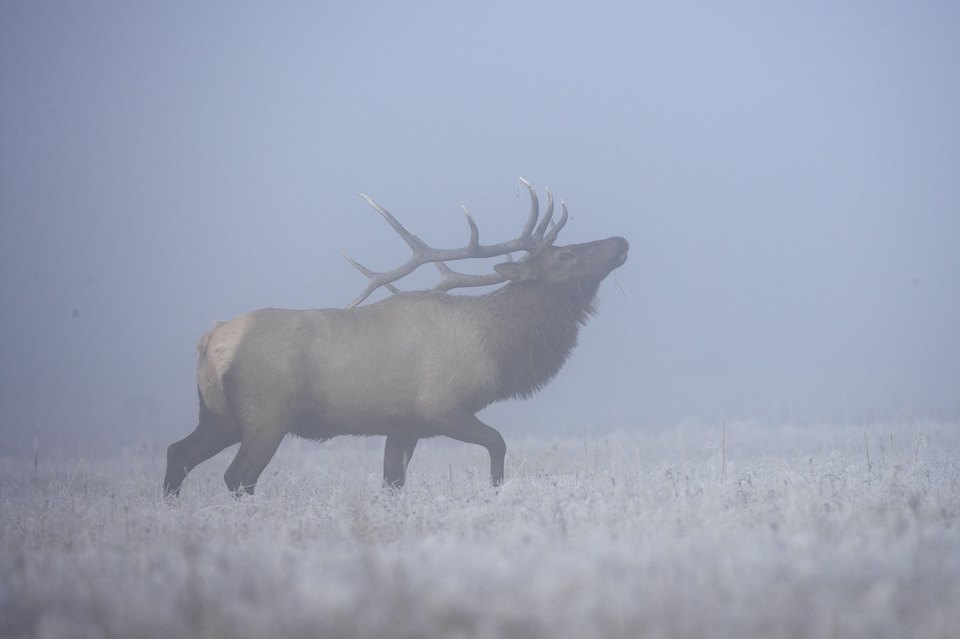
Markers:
774,533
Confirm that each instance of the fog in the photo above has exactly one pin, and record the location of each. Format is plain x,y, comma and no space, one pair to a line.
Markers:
787,177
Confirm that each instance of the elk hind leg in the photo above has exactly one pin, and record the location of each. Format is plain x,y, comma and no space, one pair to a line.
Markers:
208,439
257,447
396,456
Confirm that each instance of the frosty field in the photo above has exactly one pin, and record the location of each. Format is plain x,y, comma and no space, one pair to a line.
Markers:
697,531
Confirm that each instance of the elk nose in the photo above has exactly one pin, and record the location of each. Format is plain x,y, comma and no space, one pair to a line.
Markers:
619,247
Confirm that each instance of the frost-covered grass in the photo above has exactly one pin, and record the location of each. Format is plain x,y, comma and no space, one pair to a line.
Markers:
776,533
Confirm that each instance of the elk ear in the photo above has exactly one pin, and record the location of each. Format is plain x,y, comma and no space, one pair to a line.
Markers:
511,270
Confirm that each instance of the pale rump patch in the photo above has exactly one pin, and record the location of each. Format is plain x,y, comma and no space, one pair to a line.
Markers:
217,349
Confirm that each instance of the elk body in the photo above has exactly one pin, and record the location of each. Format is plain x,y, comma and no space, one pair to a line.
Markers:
414,365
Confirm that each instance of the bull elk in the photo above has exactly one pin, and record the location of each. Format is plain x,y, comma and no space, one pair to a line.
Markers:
413,365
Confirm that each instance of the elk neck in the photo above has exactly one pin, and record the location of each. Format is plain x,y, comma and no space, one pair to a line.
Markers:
533,327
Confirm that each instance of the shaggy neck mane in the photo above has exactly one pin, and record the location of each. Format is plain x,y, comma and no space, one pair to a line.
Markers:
539,322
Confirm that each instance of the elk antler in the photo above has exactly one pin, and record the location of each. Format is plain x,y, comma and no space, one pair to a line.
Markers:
533,237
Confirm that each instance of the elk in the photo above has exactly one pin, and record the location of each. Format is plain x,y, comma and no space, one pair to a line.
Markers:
413,365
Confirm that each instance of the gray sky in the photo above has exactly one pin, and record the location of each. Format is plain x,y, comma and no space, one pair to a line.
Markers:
788,175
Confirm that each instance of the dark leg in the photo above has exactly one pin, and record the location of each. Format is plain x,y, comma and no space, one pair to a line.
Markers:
200,445
469,429
396,456
256,450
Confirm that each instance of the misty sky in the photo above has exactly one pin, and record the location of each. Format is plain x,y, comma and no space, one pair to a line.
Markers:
788,175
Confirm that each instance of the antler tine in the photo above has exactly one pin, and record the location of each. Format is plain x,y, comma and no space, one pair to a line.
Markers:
370,274
534,210
370,288
411,239
474,231
357,265
547,216
551,236
374,283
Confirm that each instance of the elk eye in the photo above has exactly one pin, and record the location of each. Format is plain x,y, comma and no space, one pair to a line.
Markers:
566,256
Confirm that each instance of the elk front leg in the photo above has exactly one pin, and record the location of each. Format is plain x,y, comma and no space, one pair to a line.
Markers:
396,456
469,429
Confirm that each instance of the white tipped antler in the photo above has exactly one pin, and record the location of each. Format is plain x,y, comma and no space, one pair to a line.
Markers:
533,237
